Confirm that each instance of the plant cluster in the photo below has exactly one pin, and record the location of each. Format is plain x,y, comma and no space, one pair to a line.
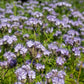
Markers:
41,43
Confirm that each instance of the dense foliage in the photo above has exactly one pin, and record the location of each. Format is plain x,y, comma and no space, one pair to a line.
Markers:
42,42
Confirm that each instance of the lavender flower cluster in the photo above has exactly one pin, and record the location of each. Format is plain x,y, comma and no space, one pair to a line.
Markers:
8,39
44,35
56,76
24,72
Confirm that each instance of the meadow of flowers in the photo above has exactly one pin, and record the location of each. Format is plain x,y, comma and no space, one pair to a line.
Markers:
41,42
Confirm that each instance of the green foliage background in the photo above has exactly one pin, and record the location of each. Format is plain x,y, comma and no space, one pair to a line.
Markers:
10,79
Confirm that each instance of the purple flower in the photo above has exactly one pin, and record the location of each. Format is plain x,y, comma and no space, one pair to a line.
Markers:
33,21
6,37
31,74
14,38
4,64
2,10
18,83
82,33
62,45
30,43
37,14
39,66
46,52
23,50
25,35
49,30
54,72
10,41
0,50
38,55
18,47
58,33
38,45
48,9
18,33
69,42
61,74
9,30
28,62
51,18
49,75
12,62
77,53
14,18
73,33
57,80
63,4
77,40
39,83
76,14
21,74
1,41
9,55
60,60
75,49
26,67
9,11
53,46
63,51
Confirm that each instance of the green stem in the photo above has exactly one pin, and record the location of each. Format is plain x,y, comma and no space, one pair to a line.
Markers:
34,35
15,9
79,72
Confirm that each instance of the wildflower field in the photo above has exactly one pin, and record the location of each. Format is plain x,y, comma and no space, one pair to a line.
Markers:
42,42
